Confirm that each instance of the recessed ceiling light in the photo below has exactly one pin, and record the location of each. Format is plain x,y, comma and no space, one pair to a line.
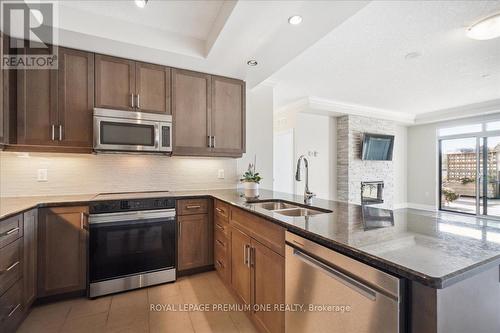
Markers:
295,19
487,28
252,63
412,55
141,3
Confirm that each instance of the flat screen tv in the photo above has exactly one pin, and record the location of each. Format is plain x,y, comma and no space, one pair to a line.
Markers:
377,147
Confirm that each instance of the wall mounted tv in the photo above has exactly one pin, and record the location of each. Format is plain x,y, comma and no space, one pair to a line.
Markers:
377,147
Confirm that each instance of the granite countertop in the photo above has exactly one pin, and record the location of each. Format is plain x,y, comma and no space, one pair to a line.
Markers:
434,248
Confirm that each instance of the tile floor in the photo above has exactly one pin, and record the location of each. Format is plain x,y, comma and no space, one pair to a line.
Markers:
130,311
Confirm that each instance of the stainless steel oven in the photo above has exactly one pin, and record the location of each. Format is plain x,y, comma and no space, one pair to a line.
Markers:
116,130
132,244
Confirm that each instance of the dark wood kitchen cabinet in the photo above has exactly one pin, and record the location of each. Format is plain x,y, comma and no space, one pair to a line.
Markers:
130,85
208,113
75,97
228,116
193,237
240,265
54,107
62,250
191,103
30,257
37,120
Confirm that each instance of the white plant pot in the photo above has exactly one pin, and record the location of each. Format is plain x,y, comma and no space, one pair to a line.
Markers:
251,189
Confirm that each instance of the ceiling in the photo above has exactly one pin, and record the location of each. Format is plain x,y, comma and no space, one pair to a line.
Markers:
217,37
404,58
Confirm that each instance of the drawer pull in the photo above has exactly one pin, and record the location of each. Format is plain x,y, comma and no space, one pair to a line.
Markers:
221,265
193,207
219,226
220,243
10,267
14,310
11,231
219,210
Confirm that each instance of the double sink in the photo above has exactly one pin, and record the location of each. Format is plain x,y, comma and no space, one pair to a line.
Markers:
289,209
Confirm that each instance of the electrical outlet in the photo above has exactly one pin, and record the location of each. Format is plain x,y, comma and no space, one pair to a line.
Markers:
42,175
220,174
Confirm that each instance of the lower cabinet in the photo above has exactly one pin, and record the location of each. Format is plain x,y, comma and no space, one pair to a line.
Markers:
62,250
256,270
30,257
193,231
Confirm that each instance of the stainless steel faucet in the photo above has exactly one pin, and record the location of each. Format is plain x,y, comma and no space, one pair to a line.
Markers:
308,195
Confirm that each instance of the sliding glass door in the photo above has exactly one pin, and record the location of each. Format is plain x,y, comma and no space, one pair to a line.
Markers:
469,173
458,175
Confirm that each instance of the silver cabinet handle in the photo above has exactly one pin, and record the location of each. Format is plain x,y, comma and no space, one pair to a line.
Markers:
60,132
220,263
220,242
14,310
213,141
11,231
138,106
209,140
132,101
193,207
340,277
245,255
219,226
53,132
252,256
10,267
249,255
180,230
219,210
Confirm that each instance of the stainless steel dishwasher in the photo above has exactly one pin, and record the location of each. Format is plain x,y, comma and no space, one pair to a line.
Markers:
338,294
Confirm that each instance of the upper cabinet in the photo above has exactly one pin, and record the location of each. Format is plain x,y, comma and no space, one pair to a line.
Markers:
54,107
191,103
129,85
75,97
208,113
228,116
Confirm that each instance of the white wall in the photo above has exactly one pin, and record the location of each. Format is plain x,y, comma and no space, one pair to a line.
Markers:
259,134
423,160
314,137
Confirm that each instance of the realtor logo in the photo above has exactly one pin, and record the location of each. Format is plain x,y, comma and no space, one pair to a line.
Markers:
32,37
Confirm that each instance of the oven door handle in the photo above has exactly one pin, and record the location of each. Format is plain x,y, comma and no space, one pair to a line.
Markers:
130,216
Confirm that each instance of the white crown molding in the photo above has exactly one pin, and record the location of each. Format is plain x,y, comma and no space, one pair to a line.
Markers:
464,111
327,107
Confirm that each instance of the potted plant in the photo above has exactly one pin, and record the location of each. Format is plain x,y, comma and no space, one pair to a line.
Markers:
251,180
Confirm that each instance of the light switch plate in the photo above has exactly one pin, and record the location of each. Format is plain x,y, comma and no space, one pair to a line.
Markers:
42,175
220,174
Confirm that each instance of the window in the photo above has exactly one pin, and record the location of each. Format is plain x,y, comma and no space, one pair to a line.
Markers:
464,129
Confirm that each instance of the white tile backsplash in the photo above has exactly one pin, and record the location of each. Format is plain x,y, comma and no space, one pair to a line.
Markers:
90,173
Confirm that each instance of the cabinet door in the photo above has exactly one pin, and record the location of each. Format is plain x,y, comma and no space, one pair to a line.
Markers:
30,257
152,88
114,83
2,108
191,103
240,266
228,116
76,97
37,105
268,286
193,241
62,250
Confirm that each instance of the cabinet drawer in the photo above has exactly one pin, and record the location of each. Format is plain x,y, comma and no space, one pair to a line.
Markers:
221,263
11,309
221,226
221,210
192,206
11,229
266,232
10,264
221,242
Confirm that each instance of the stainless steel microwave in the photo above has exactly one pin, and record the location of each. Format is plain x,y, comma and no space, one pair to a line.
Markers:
128,131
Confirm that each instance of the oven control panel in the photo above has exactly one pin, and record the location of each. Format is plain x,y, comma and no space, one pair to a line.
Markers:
113,206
